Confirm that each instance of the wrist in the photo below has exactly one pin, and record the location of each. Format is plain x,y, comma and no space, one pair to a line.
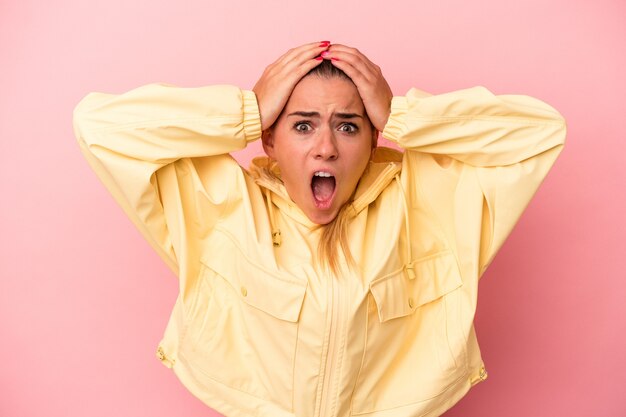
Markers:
252,124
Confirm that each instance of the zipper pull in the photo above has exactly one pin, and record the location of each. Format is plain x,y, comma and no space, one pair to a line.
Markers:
410,270
276,238
483,373
160,354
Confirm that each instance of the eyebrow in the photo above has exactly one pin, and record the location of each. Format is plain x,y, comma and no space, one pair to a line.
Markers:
316,114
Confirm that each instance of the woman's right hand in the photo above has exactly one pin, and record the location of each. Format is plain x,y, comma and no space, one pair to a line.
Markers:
280,78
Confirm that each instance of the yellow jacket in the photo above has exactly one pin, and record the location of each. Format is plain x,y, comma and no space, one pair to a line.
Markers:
258,329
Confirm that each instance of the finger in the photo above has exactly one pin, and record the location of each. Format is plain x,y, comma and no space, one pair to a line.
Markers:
307,51
278,80
337,47
354,66
294,64
360,72
352,55
288,68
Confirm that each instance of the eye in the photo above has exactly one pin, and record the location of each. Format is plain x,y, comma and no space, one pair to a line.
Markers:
348,128
302,126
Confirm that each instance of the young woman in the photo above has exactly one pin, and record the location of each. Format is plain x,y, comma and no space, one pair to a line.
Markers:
333,278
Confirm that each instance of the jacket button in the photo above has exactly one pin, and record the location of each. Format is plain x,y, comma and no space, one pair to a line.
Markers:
244,291
411,303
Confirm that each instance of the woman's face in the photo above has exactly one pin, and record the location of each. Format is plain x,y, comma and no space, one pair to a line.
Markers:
322,143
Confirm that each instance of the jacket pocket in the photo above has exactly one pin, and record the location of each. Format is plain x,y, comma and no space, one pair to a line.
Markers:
415,348
242,326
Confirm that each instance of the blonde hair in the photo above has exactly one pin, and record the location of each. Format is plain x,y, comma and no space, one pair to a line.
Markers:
335,237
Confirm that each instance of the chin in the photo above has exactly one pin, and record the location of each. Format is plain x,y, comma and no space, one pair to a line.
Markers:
323,218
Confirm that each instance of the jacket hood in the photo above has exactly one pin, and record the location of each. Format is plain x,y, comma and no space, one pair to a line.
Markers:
383,167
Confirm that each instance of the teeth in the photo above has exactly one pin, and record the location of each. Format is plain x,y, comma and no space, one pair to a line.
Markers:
322,174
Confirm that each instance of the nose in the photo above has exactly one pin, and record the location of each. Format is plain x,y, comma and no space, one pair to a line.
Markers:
326,146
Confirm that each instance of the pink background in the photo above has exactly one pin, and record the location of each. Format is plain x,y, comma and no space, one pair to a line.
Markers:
84,301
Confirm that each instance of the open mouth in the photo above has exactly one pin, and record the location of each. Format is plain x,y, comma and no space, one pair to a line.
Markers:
323,187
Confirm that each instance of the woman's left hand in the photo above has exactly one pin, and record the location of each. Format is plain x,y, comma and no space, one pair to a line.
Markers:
368,78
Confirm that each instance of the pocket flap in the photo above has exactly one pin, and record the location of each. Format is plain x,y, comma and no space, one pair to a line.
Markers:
276,294
396,295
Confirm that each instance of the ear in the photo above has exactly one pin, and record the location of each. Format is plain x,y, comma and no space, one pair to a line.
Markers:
267,138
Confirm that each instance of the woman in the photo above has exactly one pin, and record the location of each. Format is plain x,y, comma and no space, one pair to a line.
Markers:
334,278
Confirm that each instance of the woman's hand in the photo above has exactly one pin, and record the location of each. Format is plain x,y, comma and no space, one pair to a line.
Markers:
369,81
279,79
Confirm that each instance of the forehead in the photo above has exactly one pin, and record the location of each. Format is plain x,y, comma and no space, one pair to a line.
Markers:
324,95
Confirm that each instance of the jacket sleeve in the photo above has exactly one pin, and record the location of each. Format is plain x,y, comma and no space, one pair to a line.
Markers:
498,149
143,146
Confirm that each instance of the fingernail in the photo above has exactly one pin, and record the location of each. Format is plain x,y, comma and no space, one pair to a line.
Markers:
324,43
324,54
334,59
318,58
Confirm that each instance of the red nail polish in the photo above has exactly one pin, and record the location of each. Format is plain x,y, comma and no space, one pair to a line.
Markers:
318,58
334,59
324,54
324,43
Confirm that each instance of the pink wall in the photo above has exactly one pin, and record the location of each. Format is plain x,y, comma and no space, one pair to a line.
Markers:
83,300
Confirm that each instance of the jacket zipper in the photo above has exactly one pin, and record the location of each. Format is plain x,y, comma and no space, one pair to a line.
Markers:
332,359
